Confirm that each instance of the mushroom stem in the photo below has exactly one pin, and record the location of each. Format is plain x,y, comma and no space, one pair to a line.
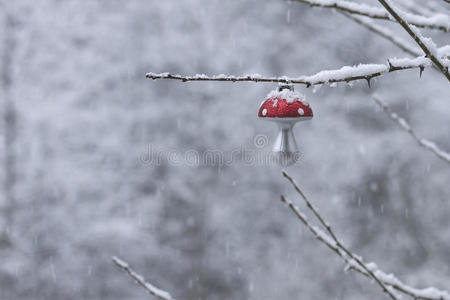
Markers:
285,147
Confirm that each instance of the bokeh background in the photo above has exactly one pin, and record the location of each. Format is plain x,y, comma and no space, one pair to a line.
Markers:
78,116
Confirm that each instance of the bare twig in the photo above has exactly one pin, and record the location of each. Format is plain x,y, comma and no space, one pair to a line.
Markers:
338,243
344,74
401,18
440,22
153,290
385,33
317,232
387,280
402,123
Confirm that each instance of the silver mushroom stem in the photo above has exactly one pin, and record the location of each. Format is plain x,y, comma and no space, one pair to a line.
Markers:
285,148
285,151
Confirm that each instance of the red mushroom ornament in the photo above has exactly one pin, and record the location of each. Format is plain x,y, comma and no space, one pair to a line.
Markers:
285,107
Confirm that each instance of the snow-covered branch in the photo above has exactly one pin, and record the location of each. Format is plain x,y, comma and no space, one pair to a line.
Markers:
439,21
344,74
384,32
153,290
403,124
351,257
427,45
388,282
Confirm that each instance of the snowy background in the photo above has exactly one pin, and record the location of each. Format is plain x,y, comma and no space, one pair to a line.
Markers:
86,116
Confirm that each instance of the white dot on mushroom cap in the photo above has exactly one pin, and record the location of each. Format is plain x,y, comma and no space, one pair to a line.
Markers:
301,112
264,112
305,103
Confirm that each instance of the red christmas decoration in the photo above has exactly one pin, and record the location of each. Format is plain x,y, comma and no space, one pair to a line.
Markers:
285,107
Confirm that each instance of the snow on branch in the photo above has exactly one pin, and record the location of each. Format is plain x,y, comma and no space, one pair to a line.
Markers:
403,124
352,259
438,21
385,33
344,74
388,282
427,44
153,290
444,51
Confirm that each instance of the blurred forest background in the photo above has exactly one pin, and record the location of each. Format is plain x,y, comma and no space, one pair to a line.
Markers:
78,115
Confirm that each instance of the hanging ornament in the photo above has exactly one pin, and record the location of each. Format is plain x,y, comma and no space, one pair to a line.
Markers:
285,107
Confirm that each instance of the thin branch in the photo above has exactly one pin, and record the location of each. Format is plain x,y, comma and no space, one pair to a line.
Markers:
344,74
390,36
388,280
317,232
415,34
441,22
153,290
338,243
403,124
310,206
385,33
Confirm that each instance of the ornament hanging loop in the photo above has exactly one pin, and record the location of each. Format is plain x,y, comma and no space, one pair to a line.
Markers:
285,86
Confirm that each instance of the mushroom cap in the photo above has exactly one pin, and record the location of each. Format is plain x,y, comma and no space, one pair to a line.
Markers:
285,104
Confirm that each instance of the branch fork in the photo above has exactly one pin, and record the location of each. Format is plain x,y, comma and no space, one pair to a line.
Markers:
389,283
